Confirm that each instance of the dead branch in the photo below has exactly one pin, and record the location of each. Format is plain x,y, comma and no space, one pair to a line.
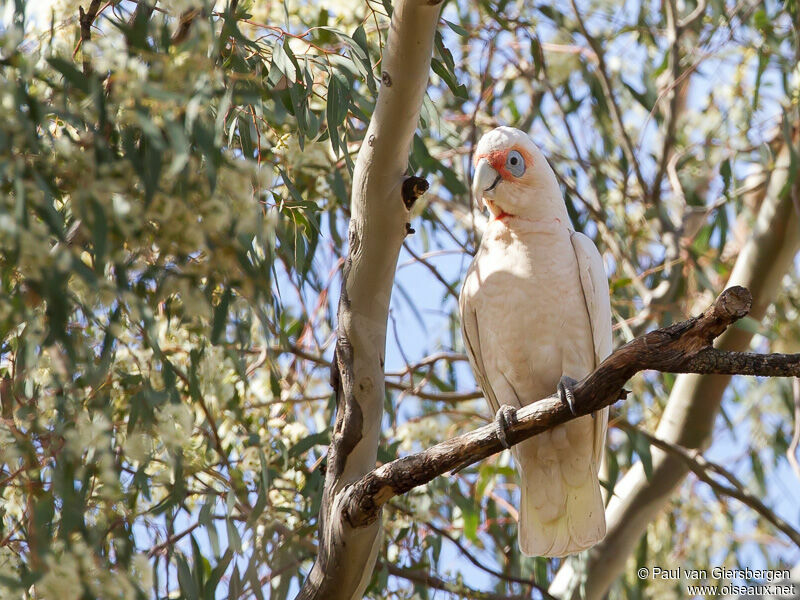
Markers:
685,347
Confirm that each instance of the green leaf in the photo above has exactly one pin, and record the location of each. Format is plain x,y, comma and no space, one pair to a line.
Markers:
255,584
459,90
642,448
293,191
221,316
336,108
235,585
758,471
469,513
188,583
457,28
284,59
725,172
234,539
612,471
622,282
245,129
216,576
540,571
761,20
360,54
70,73
322,438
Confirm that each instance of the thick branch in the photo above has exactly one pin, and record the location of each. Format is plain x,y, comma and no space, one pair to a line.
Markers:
681,348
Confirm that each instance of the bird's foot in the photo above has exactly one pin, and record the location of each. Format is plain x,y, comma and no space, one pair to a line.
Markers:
505,417
566,391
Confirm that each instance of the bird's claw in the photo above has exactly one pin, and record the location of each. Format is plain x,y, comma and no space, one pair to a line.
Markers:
566,391
505,417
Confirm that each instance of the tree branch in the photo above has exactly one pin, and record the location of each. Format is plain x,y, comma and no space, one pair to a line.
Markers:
86,19
616,112
474,560
701,467
685,347
437,583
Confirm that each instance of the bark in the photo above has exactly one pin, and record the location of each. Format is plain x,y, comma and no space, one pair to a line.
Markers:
695,399
380,205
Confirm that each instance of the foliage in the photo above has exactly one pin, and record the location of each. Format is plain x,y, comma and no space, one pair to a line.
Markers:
174,201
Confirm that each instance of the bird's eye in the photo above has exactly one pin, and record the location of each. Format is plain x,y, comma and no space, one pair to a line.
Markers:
515,164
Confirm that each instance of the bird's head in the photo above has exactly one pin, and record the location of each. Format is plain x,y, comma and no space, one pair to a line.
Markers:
513,177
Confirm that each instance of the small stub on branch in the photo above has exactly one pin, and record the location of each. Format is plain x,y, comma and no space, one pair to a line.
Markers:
736,301
413,188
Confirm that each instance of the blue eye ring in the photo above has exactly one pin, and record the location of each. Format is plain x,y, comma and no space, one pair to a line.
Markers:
515,164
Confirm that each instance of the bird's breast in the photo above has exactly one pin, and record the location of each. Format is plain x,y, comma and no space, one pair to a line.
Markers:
526,292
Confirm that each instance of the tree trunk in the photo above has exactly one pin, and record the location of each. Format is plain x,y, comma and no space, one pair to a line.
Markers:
380,203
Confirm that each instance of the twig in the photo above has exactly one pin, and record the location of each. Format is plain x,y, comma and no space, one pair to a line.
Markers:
428,361
685,347
170,541
701,467
616,112
672,109
474,560
698,12
395,385
449,397
438,583
449,287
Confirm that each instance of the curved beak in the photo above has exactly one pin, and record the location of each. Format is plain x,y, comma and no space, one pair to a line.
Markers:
485,180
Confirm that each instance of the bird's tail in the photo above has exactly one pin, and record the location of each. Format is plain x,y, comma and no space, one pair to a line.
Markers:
561,506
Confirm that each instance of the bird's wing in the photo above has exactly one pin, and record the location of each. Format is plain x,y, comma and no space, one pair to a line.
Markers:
472,342
595,292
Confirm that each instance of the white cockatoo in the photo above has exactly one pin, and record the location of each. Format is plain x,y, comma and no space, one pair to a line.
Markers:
535,315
